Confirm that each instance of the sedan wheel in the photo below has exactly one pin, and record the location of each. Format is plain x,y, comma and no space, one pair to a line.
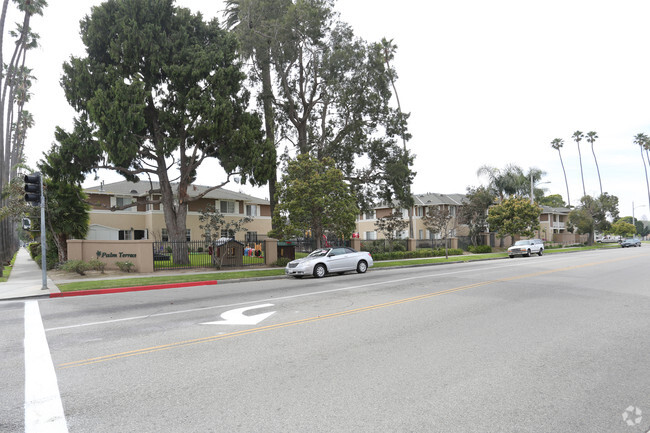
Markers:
320,271
540,252
528,253
362,267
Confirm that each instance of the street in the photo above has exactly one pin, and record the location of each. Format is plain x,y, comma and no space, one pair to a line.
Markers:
558,343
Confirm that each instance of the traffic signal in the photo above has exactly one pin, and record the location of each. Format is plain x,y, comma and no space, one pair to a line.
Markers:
33,188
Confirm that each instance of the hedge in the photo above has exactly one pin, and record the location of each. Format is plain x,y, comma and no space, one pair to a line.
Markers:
427,252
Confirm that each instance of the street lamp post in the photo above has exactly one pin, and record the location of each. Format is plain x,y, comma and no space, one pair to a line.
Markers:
532,188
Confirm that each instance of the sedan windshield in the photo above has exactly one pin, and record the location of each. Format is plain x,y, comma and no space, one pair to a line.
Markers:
319,253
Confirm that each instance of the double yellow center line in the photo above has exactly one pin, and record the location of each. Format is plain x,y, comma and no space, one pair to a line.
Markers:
192,342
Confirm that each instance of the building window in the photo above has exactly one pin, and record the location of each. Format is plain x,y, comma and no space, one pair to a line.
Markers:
370,215
227,206
419,211
164,235
251,237
421,234
125,235
371,236
188,236
125,201
227,233
251,210
452,211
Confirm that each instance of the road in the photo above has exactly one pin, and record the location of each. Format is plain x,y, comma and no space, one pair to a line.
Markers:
558,343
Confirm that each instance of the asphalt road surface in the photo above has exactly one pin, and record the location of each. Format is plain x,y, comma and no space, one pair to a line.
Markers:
558,343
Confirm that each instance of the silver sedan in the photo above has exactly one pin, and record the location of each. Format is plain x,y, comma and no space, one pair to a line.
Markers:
325,260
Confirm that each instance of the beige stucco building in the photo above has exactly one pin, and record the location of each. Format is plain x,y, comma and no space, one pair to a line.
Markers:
367,228
146,221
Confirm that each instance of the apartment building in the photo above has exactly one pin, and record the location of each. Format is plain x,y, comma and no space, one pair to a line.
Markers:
367,228
146,221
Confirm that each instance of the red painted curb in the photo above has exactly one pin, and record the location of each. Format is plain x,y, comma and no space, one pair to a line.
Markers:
131,289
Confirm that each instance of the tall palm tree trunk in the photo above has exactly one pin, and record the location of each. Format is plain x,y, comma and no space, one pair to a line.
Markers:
646,175
584,191
597,169
566,182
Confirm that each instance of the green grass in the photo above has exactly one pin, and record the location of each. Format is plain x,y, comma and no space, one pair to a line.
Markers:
169,279
7,270
200,259
129,282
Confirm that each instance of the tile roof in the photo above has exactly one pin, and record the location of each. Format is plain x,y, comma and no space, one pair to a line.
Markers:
141,189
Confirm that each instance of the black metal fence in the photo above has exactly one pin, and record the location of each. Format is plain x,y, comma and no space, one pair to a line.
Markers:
384,245
202,254
307,245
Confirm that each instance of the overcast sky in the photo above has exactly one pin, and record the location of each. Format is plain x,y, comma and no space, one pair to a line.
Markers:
485,83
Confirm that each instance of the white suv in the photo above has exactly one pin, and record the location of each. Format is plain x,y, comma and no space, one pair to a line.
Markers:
526,247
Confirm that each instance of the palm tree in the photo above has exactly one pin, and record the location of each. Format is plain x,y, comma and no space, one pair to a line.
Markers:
644,142
591,137
503,183
577,137
557,144
255,23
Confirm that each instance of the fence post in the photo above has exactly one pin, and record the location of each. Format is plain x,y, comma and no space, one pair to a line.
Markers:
270,251
411,244
356,244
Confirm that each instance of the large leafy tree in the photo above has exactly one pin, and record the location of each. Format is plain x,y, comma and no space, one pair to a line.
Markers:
67,211
159,92
557,144
641,228
514,217
475,210
594,214
332,93
622,228
553,200
313,196
15,120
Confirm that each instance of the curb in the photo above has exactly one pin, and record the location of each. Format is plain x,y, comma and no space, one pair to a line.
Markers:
131,289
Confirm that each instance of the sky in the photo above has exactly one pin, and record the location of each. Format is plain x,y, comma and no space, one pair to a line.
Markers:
485,83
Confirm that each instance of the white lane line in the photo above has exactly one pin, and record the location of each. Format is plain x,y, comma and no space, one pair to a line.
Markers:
43,407
322,292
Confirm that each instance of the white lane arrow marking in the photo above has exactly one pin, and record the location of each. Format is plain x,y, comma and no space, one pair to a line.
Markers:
237,317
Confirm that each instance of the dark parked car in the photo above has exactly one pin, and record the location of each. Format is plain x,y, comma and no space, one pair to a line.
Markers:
630,242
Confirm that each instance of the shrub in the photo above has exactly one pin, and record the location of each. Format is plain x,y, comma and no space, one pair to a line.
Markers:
168,249
52,254
199,250
97,265
78,266
479,249
125,266
281,262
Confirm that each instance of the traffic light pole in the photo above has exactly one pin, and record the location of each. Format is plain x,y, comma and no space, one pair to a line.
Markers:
43,240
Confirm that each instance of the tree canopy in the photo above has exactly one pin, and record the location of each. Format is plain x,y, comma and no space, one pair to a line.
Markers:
331,92
158,93
313,196
475,210
514,217
594,214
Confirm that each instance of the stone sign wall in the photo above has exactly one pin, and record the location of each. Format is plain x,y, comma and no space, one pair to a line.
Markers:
140,253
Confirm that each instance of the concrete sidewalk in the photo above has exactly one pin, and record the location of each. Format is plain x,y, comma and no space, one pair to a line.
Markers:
25,280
